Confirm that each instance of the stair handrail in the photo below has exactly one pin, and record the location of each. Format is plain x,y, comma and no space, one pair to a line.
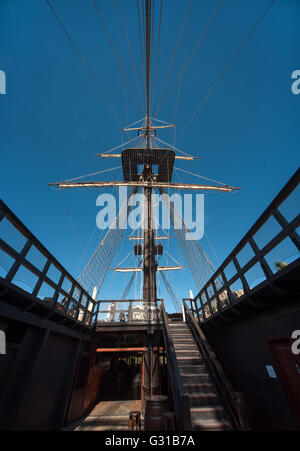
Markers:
180,398
232,401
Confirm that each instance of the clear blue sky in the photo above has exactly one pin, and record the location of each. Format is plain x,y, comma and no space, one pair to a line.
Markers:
53,119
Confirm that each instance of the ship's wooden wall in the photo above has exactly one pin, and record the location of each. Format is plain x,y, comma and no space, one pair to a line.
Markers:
242,349
86,386
37,373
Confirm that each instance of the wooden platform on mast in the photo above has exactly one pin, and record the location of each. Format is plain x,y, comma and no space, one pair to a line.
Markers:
162,158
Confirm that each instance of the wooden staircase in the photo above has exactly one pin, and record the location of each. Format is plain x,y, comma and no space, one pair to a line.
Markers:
207,414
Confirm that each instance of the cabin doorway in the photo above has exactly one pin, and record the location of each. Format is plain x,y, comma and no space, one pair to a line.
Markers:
121,376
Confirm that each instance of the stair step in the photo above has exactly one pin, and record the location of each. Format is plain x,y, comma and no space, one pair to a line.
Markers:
179,333
199,389
184,333
186,344
193,372
198,385
207,414
187,362
197,377
203,399
186,366
203,395
190,361
180,329
210,426
186,355
185,348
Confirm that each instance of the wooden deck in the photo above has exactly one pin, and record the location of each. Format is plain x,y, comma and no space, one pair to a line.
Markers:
110,416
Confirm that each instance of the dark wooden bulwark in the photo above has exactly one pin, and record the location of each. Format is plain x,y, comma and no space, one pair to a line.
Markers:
243,349
35,281
48,319
265,262
36,376
86,386
251,300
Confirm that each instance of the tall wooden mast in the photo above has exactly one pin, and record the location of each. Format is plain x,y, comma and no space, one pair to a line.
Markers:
149,288
149,179
149,159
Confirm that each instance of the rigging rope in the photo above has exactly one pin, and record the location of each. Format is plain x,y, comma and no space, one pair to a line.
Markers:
187,11
172,295
95,271
172,147
74,229
121,145
192,54
201,267
86,248
140,34
157,57
83,61
228,65
174,259
180,83
94,173
131,52
200,176
116,54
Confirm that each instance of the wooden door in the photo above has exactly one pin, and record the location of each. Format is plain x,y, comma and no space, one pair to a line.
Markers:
287,367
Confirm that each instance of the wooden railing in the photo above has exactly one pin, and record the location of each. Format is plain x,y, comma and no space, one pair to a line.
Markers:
127,311
180,399
34,274
268,250
232,402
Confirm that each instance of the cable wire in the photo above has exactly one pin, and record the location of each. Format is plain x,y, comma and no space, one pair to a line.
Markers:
192,54
131,52
83,61
187,11
115,54
228,65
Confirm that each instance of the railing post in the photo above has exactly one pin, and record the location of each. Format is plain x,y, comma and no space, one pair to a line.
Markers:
216,295
265,267
186,413
18,262
56,294
241,275
180,399
41,278
233,403
208,302
286,226
242,412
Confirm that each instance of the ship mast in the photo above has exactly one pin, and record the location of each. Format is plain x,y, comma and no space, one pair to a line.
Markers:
149,288
148,180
